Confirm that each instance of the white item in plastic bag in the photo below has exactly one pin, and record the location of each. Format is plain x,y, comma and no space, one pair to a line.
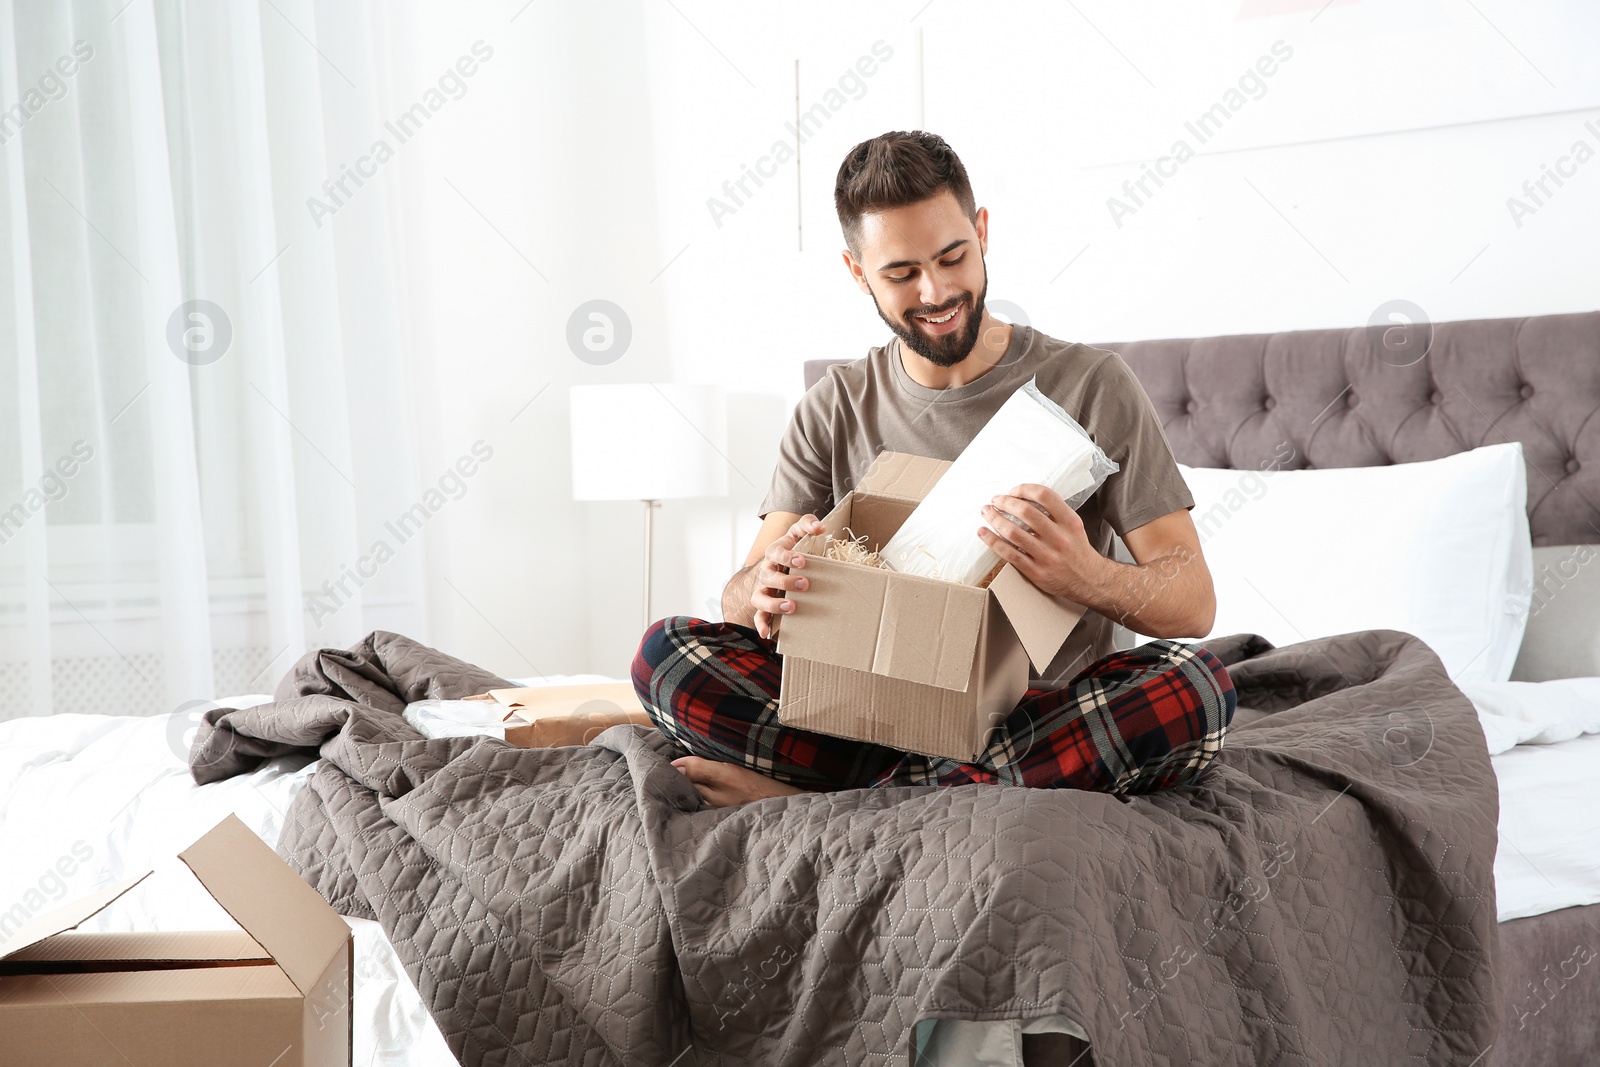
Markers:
1031,439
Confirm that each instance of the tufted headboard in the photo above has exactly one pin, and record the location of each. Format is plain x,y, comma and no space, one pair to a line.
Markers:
1367,396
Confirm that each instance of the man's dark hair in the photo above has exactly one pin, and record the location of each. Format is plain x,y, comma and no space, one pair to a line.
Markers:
895,169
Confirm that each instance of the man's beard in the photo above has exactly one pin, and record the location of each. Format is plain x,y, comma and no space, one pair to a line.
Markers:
943,350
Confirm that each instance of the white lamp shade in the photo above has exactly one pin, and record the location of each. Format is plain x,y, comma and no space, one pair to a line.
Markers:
648,442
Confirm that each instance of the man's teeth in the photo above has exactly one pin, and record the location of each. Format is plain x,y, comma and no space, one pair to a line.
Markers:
945,318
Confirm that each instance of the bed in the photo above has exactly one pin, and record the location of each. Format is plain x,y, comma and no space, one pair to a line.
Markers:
115,794
1368,396
119,788
1355,398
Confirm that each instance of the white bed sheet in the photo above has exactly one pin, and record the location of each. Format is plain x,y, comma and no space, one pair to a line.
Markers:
112,796
1549,854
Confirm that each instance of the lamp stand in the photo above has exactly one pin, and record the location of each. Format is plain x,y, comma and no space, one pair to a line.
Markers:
649,551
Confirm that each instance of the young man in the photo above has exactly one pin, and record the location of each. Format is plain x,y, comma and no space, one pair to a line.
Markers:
1124,722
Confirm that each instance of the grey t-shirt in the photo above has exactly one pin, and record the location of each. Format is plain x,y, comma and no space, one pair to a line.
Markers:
860,409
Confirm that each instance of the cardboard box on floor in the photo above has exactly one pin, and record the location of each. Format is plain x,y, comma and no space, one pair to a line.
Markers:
555,715
275,992
917,664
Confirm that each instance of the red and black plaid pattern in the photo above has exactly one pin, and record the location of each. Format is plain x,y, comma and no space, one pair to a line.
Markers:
1137,721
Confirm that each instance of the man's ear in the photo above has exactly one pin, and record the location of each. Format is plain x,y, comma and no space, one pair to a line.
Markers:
857,271
980,222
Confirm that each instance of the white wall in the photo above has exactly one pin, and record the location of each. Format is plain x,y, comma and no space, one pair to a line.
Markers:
534,187
596,136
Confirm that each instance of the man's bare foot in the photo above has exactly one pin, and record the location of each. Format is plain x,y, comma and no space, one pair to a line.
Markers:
722,785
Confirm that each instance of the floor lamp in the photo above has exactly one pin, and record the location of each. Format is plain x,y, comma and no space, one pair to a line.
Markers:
650,442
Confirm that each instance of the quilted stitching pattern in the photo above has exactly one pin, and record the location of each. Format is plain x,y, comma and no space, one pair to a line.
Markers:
1325,896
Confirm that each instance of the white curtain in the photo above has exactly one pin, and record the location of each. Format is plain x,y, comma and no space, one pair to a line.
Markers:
203,387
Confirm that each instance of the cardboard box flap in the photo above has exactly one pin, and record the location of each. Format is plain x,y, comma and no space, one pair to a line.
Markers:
156,947
839,619
912,628
928,632
902,476
169,1010
59,920
273,904
1041,621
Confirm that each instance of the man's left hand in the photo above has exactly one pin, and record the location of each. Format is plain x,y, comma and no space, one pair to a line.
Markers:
1049,547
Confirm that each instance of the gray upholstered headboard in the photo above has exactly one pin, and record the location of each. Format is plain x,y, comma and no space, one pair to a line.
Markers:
1343,398
1367,396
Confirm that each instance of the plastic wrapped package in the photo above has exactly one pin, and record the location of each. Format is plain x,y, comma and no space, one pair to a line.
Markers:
1031,439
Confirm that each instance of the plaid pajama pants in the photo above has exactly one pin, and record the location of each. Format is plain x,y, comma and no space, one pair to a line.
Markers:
1135,722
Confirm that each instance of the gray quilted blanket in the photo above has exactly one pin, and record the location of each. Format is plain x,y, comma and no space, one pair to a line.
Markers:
1324,896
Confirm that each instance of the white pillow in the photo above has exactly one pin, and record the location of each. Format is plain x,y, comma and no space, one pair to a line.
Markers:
1541,713
1439,549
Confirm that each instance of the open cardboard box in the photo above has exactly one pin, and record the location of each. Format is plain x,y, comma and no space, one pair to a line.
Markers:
275,992
917,664
549,716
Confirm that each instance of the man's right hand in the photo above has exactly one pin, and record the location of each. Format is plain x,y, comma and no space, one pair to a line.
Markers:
776,579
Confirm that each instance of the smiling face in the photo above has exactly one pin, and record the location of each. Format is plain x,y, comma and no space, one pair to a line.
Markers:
922,264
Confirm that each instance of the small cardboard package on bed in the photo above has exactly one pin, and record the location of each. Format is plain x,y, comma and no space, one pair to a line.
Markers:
556,715
275,992
917,664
